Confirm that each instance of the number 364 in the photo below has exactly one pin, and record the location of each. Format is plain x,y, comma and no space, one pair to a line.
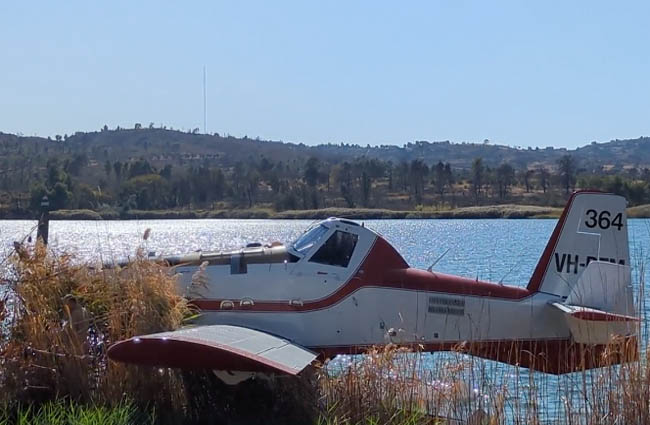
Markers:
603,220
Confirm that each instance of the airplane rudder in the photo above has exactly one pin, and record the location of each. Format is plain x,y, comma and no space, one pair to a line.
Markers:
592,227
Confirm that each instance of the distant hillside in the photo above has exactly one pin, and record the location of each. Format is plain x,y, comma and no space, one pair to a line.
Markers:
161,145
122,172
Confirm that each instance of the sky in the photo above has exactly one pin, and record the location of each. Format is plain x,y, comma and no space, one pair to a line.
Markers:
520,73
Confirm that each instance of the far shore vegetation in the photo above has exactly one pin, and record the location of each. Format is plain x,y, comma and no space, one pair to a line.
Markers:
155,172
486,211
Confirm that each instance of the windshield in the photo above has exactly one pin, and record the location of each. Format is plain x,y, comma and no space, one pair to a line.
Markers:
309,239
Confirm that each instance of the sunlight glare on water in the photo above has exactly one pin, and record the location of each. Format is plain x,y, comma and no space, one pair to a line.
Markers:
498,250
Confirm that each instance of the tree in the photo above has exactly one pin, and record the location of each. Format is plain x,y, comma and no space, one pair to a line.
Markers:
166,172
505,178
150,190
442,178
311,172
86,198
252,186
140,167
449,175
527,174
567,169
402,172
417,172
59,196
137,126
478,171
366,185
543,178
37,192
117,167
75,166
343,178
108,168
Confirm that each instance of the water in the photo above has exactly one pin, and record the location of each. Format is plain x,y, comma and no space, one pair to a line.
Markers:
496,250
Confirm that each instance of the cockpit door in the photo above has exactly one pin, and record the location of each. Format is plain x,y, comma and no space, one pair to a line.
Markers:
339,255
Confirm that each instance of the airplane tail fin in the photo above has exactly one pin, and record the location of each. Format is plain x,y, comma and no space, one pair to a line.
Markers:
592,227
587,264
585,269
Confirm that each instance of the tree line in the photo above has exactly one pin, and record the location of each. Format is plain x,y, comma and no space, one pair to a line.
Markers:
79,183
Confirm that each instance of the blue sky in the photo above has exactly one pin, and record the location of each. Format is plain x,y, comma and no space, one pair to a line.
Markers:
518,73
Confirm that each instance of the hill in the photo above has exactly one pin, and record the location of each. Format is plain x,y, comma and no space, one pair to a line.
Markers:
119,170
162,145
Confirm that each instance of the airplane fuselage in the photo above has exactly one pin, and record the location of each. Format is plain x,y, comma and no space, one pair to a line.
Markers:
376,299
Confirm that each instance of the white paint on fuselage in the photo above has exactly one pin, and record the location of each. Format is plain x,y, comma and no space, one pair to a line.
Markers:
366,316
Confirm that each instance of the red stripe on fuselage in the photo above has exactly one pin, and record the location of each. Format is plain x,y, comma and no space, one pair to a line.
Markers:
555,356
598,316
382,268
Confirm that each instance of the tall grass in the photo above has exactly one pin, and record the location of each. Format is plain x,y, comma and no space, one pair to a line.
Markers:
396,386
43,359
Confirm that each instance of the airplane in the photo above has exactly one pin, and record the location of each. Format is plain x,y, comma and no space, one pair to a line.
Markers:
341,288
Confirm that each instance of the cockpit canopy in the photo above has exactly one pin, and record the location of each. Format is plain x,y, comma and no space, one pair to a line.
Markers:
330,242
308,239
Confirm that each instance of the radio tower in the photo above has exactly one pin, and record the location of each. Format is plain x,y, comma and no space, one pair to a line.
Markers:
205,103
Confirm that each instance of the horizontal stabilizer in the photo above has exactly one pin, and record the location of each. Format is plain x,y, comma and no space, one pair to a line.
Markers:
592,326
218,347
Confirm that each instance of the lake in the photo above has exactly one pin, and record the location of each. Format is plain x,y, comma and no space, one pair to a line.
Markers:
497,250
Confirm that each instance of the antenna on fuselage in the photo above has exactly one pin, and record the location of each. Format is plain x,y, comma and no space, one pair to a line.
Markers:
430,269
508,272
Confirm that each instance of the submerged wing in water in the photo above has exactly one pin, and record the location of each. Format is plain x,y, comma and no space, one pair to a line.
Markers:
218,347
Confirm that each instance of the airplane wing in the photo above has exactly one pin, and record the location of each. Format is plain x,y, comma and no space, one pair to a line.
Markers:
218,347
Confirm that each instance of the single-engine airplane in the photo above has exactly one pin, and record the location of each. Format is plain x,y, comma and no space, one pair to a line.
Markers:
341,288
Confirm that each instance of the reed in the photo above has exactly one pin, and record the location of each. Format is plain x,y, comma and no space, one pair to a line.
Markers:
46,350
398,386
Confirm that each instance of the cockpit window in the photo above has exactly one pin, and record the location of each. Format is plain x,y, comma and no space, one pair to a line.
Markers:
308,239
337,251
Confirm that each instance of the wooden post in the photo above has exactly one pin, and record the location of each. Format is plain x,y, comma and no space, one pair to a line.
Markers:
44,221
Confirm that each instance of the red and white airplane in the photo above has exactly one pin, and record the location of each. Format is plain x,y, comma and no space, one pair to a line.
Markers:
341,288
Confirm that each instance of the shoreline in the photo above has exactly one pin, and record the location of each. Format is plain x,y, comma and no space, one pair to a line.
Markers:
504,211
511,211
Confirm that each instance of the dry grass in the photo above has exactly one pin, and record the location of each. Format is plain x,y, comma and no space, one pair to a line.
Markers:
395,386
45,359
